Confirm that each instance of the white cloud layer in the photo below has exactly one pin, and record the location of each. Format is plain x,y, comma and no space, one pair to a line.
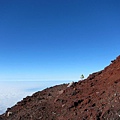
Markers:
12,92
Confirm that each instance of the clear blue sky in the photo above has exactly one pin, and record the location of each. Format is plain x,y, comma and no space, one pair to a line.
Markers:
57,39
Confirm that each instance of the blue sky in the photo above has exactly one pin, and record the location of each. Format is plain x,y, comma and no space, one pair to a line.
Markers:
57,39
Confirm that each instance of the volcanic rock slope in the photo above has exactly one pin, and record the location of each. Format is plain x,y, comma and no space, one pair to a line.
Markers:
95,98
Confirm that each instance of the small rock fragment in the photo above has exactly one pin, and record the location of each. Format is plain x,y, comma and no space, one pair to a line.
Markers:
9,113
70,84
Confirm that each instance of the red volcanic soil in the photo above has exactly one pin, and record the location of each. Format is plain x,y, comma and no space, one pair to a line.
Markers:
95,98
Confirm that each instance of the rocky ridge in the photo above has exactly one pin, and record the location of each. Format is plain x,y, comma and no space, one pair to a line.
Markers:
95,98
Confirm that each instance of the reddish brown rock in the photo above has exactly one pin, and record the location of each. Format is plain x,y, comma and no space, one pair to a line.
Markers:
95,98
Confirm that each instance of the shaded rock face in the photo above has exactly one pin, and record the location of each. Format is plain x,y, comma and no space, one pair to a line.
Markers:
95,98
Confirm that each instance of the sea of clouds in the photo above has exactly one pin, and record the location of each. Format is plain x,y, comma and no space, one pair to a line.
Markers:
13,91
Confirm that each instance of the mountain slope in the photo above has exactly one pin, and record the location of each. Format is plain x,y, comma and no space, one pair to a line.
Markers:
95,98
